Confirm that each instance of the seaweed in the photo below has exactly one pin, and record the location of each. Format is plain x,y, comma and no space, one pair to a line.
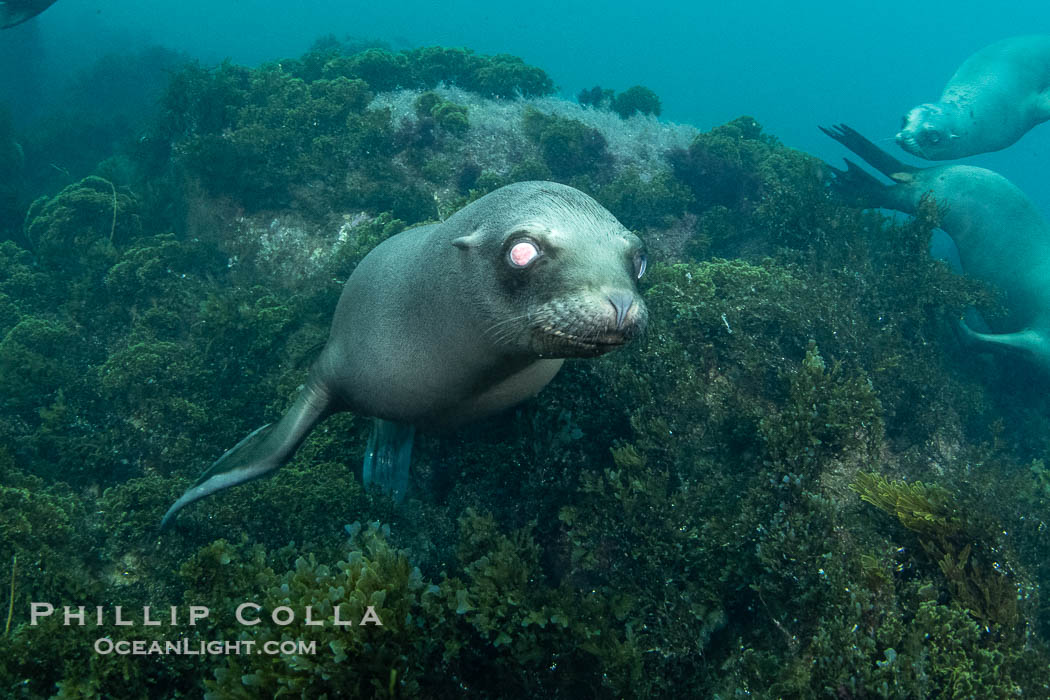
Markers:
985,588
568,147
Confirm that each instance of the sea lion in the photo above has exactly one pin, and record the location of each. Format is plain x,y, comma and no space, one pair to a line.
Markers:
993,99
446,323
14,12
1001,237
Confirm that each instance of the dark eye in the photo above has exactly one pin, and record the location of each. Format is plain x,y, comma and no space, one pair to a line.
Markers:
639,265
932,135
522,253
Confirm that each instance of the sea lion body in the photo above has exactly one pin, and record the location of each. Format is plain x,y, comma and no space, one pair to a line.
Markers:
994,98
447,323
392,353
1001,236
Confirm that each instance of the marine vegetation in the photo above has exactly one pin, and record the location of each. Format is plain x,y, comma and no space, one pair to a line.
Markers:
976,582
634,100
678,519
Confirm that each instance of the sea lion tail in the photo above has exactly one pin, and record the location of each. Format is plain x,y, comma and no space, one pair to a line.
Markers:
262,452
872,154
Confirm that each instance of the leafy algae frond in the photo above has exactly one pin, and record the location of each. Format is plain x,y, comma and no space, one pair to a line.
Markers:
956,545
927,509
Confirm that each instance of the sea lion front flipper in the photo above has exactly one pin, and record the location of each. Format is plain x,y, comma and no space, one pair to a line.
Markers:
387,457
1042,104
262,452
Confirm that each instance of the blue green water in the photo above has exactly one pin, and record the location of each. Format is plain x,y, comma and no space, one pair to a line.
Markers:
790,65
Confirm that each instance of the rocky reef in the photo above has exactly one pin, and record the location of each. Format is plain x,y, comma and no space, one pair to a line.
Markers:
797,484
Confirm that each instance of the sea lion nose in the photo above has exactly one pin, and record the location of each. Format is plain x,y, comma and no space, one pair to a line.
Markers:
621,303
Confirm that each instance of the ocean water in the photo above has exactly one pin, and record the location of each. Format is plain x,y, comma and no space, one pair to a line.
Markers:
790,66
800,480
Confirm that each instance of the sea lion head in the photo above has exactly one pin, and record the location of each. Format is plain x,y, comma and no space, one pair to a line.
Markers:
561,272
929,131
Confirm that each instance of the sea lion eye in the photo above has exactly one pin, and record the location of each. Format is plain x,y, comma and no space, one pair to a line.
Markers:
932,135
522,253
639,265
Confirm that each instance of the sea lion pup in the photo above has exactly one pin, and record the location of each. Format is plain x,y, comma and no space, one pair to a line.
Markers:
1001,237
993,99
446,323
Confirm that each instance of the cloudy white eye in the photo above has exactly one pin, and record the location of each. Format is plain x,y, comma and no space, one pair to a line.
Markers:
522,253
639,265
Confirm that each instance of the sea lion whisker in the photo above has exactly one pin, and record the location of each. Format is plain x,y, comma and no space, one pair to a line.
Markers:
501,330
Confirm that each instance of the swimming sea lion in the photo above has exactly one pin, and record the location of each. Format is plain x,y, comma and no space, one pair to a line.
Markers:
1001,237
13,12
447,323
993,99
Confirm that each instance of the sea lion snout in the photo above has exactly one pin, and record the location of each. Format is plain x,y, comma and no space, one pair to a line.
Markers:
623,314
913,126
622,302
589,323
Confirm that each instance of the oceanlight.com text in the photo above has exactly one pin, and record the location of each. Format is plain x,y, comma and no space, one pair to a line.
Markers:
186,647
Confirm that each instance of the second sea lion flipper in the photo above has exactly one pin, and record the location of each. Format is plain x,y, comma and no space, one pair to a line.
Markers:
858,186
387,458
261,453
872,154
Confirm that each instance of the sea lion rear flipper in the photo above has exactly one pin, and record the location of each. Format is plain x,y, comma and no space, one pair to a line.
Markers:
387,457
1027,341
872,154
859,186
262,452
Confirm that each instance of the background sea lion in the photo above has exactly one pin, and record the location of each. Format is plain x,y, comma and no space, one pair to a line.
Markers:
994,98
1001,237
446,323
14,12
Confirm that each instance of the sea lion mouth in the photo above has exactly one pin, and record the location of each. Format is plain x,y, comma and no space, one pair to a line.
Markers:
601,340
592,344
909,144
574,328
